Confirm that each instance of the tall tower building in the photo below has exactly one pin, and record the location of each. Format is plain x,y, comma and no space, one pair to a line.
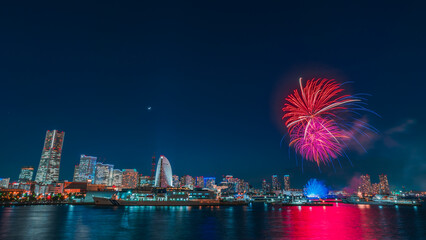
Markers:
26,174
275,183
200,182
366,187
287,182
48,169
265,186
86,169
103,174
163,175
130,178
384,184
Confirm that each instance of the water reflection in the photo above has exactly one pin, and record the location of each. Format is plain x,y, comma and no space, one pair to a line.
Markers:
256,221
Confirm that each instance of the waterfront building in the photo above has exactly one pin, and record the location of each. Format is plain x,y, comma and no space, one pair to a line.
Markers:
209,182
384,184
117,178
276,186
201,194
75,177
176,182
366,187
103,174
163,175
286,182
200,182
187,181
48,169
130,178
86,169
4,182
26,174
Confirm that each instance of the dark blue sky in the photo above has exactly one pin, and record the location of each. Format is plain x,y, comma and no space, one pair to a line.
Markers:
215,75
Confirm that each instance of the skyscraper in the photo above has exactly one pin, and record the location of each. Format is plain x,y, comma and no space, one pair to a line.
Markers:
200,182
86,169
103,174
48,169
384,184
163,175
117,178
265,187
130,178
366,188
287,182
275,183
26,174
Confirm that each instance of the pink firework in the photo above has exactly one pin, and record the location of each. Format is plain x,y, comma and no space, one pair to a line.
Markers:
316,126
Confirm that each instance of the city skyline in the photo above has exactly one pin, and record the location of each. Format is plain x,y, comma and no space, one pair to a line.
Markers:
207,93
89,170
208,120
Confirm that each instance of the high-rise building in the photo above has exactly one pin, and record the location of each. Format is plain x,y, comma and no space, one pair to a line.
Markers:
117,178
200,182
26,174
366,188
265,186
163,175
103,174
86,169
48,169
287,182
275,183
130,178
4,182
75,177
209,182
384,184
176,182
187,181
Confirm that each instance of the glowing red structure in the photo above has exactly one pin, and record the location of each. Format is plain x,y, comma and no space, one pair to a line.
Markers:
315,119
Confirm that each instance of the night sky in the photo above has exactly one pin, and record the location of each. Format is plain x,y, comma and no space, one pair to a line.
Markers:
215,76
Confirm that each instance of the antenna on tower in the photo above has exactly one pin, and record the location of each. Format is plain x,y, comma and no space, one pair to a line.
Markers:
153,167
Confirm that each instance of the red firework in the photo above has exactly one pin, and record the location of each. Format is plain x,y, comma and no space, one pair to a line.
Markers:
313,121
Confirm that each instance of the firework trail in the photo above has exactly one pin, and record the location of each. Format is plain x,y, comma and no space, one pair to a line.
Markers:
320,120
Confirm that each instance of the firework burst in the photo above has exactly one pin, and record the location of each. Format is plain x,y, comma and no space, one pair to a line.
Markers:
320,120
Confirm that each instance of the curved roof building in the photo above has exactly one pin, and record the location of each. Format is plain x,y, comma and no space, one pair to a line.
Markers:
163,175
